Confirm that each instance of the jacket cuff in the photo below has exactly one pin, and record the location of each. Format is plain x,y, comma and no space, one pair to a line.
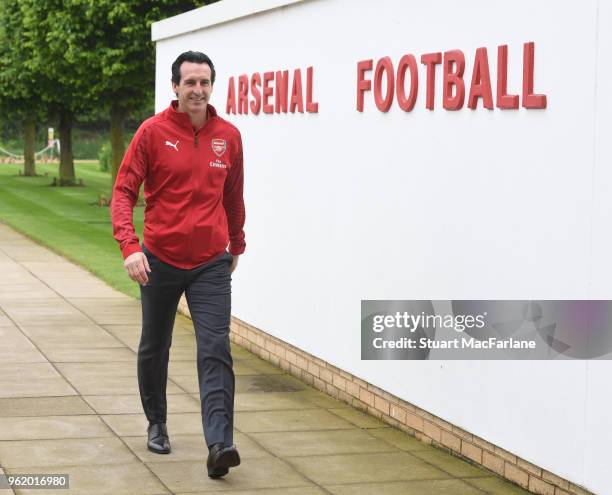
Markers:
130,249
236,250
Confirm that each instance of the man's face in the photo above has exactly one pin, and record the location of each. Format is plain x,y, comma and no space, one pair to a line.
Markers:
195,87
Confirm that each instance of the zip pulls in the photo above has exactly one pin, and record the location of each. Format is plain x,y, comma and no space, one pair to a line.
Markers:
198,131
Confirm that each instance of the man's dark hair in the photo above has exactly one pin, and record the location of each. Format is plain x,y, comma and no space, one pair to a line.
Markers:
195,57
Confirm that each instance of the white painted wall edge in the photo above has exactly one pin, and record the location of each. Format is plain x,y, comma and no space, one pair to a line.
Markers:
209,15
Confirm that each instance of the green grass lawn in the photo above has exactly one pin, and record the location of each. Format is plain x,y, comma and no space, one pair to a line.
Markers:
67,219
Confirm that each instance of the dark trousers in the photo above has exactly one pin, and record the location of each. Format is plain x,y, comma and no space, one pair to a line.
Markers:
208,292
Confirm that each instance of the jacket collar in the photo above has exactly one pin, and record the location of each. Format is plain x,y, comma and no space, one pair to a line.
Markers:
182,118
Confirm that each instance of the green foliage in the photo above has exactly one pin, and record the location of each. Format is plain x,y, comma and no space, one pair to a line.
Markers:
104,157
79,57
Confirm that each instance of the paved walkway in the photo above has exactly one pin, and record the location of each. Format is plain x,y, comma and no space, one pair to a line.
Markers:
69,404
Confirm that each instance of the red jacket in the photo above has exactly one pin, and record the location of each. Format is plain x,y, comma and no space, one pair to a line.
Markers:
193,189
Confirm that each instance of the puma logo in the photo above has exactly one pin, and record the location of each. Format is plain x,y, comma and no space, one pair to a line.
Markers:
174,145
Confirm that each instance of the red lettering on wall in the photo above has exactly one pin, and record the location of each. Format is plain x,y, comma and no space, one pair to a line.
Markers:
407,62
256,101
431,60
296,93
530,100
267,92
243,94
384,68
230,105
480,86
282,90
453,59
311,106
362,83
504,100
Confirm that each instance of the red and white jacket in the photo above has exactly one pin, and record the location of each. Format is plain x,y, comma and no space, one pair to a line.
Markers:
193,189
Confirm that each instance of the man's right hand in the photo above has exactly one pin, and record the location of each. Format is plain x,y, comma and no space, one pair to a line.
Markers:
137,267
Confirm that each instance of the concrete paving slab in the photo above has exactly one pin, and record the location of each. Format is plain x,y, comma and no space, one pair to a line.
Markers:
429,487
269,421
4,258
241,353
189,368
182,353
267,401
257,473
268,383
129,335
116,479
125,310
4,320
258,366
91,355
24,251
21,291
40,318
69,335
60,269
12,337
120,368
358,418
450,464
307,443
13,273
35,387
44,406
136,328
130,425
109,385
365,468
22,355
39,307
130,404
64,452
306,490
87,287
13,371
7,491
50,427
399,439
319,399
496,486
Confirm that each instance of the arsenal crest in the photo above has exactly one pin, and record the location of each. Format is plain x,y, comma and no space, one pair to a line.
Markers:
219,146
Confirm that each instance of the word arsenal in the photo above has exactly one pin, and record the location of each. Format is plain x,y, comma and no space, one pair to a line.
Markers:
271,92
270,85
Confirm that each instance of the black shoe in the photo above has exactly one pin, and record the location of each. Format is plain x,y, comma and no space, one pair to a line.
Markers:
158,440
220,459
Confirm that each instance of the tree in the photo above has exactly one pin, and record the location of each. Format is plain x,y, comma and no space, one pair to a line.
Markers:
20,99
56,34
126,57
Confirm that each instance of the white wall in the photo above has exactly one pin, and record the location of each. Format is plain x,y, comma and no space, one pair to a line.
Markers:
344,206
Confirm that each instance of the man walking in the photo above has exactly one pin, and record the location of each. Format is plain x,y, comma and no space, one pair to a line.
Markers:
190,161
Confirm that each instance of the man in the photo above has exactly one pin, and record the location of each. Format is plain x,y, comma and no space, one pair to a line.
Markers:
190,160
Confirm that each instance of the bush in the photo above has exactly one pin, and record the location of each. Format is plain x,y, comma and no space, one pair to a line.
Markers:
104,157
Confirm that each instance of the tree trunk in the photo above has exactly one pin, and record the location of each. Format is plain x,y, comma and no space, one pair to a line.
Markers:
117,116
66,168
29,133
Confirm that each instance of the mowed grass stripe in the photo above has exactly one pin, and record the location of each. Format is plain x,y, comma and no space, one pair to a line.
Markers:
67,220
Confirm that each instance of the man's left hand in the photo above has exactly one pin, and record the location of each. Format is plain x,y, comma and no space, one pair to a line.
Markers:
234,263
